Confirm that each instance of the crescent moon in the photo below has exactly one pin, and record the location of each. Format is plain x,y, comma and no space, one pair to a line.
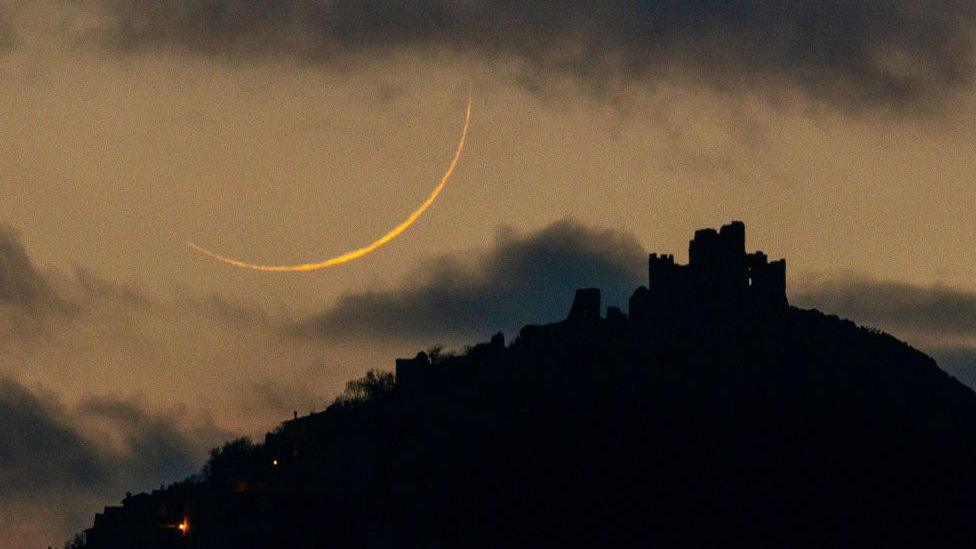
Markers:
372,246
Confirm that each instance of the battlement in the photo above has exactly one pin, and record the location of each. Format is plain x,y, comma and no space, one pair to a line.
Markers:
719,274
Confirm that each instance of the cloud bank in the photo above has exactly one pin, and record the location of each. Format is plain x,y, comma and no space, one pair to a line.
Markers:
940,320
521,279
928,310
872,52
531,279
21,285
61,463
960,362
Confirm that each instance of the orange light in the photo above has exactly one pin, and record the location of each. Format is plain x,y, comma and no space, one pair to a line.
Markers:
274,462
184,526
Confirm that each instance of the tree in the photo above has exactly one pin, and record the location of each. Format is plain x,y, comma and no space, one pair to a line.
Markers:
375,384
229,460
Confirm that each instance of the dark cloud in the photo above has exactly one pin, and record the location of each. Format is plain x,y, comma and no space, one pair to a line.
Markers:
155,446
896,306
62,463
890,52
522,279
21,285
44,448
960,362
40,452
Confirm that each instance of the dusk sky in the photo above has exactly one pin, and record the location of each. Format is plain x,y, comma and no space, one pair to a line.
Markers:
841,133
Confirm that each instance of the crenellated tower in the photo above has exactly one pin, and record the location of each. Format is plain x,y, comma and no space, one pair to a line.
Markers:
720,276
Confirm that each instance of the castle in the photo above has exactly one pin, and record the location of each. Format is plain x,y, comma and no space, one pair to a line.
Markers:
720,282
720,277
711,410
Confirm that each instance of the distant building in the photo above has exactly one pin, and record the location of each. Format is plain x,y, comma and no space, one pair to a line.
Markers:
720,276
586,306
720,281
411,370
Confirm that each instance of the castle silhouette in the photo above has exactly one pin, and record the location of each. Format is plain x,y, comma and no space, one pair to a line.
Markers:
720,281
711,413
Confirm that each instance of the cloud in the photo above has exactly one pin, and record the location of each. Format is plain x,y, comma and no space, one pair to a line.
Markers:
7,36
960,362
890,52
88,291
28,303
80,333
925,310
21,285
41,453
521,279
59,466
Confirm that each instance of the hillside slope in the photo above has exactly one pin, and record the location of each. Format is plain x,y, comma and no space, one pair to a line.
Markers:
713,413
796,428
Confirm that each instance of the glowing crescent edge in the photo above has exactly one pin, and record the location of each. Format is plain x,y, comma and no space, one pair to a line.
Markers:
376,244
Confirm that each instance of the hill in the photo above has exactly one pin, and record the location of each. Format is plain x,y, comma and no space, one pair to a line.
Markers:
711,413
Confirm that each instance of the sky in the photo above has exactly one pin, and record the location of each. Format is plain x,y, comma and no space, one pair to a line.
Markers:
287,131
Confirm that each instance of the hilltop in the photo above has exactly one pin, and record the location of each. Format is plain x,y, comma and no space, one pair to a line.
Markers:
710,413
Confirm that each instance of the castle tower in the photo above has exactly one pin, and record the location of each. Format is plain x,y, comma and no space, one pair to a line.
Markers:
586,306
767,280
720,275
411,371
